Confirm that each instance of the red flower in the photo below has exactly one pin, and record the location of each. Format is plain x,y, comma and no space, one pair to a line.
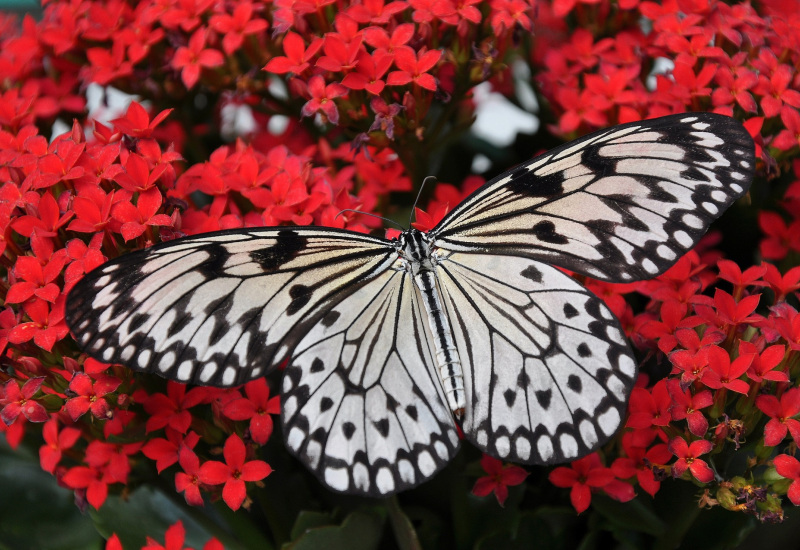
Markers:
257,408
136,122
234,472
784,284
322,97
582,476
90,396
735,88
790,137
379,39
687,458
188,481
340,55
135,219
507,14
37,278
192,59
165,451
776,89
687,406
726,311
369,72
236,26
650,408
722,373
499,478
94,480
297,56
764,363
789,467
414,67
54,443
642,463
46,326
46,219
781,415
16,401
673,315
171,409
137,176
780,237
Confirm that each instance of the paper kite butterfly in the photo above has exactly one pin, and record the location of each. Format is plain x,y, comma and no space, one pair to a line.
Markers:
391,343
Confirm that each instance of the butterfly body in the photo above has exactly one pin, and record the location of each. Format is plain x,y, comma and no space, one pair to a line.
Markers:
420,262
388,343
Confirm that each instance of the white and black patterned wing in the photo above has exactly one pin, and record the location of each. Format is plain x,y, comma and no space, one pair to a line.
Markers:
362,404
219,309
621,204
547,369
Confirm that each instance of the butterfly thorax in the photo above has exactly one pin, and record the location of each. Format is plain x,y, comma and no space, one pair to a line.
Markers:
416,250
420,262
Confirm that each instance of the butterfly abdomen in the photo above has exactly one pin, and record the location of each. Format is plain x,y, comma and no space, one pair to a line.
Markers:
422,267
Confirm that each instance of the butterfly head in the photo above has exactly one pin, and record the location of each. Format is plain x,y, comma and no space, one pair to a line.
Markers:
415,248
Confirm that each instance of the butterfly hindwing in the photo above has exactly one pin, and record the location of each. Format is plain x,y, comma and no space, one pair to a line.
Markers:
222,308
362,405
547,369
620,205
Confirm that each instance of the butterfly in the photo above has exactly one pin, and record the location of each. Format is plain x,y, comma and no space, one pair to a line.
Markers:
392,345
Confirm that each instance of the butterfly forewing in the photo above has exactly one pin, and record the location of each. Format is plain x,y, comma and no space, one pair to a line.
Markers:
621,204
363,407
222,308
547,369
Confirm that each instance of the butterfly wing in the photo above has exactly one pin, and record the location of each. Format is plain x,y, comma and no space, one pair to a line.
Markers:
547,369
219,309
620,205
362,404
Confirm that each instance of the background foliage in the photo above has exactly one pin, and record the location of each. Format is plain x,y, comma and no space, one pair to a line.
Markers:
288,112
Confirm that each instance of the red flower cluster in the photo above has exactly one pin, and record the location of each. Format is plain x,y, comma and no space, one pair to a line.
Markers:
350,104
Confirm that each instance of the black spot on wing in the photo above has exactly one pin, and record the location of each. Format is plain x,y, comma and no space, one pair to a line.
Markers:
524,182
570,311
382,426
411,411
532,273
300,295
330,318
349,429
574,383
523,380
544,397
545,231
584,350
510,396
317,365
287,245
325,403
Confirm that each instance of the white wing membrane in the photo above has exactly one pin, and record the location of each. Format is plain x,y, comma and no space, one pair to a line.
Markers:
219,309
621,204
362,403
547,370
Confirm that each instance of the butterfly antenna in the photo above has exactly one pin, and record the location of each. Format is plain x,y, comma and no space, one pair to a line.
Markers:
419,194
369,214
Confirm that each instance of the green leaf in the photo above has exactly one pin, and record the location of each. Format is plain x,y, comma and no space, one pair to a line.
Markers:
531,532
307,520
35,512
634,515
360,530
